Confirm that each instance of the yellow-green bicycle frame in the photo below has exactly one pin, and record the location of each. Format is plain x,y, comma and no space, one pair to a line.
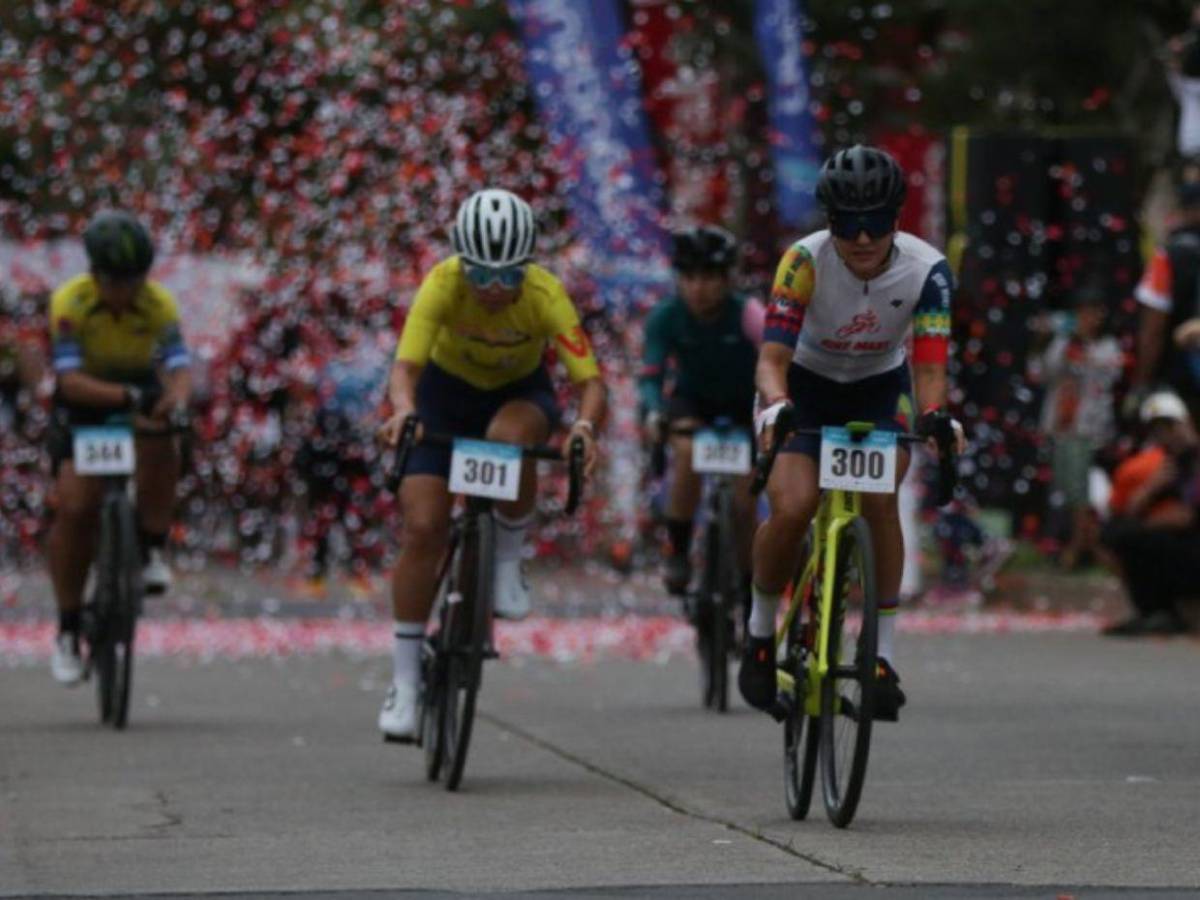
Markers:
837,509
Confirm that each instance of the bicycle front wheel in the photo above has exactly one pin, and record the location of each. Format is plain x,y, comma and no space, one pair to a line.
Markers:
848,689
115,605
464,669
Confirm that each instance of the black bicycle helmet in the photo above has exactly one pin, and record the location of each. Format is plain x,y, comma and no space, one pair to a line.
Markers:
705,247
860,179
118,245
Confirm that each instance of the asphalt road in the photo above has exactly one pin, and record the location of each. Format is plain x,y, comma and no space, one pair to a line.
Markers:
1024,766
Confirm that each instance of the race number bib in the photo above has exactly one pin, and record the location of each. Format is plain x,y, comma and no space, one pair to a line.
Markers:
104,451
867,465
721,453
485,469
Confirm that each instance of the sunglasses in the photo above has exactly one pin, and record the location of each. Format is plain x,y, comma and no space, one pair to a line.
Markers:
486,276
877,223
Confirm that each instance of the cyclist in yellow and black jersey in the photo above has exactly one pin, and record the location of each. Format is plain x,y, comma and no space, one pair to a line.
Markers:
116,345
470,363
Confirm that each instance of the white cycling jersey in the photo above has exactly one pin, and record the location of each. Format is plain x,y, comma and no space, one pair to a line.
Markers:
847,329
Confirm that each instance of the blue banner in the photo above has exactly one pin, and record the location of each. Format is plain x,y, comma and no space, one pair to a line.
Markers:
779,30
587,87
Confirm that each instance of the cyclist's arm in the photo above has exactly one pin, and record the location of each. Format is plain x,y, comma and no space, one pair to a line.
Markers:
174,364
402,386
795,278
931,338
771,373
655,350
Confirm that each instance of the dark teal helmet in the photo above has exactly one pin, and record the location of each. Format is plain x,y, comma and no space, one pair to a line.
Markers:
118,245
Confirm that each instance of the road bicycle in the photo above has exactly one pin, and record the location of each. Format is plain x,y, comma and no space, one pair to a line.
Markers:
453,653
114,603
720,453
826,644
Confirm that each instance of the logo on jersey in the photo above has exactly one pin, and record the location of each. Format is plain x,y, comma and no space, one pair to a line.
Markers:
575,343
862,323
897,303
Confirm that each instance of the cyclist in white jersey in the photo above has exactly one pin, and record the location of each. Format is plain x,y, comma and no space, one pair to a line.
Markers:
841,308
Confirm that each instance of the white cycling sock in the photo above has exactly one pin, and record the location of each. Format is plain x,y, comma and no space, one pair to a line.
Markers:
406,652
887,628
510,535
762,613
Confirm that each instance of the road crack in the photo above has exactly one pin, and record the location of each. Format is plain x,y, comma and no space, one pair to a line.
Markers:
670,803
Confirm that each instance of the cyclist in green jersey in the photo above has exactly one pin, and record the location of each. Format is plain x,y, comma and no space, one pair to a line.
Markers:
703,339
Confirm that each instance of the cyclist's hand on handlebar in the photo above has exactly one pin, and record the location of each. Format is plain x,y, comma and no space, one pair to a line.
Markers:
764,424
389,432
934,423
653,429
583,430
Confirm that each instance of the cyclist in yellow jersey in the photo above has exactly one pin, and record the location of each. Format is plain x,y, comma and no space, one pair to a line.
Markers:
470,362
116,345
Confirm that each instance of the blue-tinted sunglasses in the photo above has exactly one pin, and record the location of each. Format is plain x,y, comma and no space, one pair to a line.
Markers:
877,223
486,276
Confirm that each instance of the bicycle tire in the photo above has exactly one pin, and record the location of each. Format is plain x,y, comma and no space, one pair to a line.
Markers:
801,732
435,652
126,608
728,587
846,721
465,664
704,615
101,634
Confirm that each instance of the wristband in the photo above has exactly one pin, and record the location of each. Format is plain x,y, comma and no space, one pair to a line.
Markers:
584,423
133,397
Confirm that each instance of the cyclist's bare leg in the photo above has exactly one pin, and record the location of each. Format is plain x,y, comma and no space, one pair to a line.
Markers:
157,475
520,422
425,506
882,512
793,495
71,543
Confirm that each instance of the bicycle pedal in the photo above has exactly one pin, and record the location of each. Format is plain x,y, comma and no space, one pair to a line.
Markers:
397,739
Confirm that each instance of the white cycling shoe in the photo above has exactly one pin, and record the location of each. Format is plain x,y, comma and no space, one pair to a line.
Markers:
156,576
398,718
511,591
66,665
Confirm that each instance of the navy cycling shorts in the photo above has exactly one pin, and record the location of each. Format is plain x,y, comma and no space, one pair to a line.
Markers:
448,405
884,399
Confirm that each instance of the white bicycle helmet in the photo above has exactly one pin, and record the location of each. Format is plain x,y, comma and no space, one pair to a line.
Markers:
494,228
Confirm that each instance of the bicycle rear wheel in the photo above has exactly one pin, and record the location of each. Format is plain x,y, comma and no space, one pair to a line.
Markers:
464,669
848,689
801,732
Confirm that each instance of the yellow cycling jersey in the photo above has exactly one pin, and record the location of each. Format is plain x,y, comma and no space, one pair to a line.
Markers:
447,325
84,335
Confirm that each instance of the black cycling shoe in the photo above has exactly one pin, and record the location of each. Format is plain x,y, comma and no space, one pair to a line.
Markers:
677,573
888,695
756,675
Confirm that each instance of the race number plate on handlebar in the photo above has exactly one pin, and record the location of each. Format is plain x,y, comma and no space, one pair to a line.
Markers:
867,464
720,453
485,469
103,451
